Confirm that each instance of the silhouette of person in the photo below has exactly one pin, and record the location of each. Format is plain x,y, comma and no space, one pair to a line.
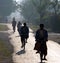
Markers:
24,33
14,24
19,27
41,38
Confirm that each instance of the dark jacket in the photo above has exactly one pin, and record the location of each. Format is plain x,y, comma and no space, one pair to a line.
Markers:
19,27
38,36
13,23
40,44
24,32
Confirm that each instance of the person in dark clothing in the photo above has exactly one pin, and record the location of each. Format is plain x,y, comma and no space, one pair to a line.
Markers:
19,27
41,39
14,24
24,34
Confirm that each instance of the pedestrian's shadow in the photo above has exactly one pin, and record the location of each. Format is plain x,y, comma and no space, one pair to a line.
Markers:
21,52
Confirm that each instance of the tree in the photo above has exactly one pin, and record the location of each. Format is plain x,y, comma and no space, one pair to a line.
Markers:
42,7
55,17
6,7
33,11
42,11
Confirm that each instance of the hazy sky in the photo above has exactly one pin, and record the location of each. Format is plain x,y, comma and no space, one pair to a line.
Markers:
15,14
18,0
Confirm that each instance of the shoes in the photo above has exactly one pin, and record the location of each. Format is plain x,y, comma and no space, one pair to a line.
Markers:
37,52
26,41
44,59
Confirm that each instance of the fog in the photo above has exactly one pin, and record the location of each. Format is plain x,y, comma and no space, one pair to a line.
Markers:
16,14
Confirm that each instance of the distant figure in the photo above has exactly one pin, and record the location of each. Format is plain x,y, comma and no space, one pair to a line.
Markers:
14,24
24,34
41,39
19,27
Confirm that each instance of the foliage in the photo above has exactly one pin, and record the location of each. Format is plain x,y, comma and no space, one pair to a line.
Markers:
42,11
3,27
5,53
6,7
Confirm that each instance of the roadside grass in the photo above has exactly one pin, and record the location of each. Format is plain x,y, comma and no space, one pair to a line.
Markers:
5,53
3,27
5,46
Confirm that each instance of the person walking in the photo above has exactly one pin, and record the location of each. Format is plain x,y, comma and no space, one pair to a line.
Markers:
24,34
14,24
19,27
41,39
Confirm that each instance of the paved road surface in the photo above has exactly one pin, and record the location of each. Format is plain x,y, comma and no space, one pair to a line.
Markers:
29,56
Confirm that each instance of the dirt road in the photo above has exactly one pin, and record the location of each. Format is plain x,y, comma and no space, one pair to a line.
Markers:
29,56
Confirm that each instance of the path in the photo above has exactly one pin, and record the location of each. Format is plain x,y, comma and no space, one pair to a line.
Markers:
29,56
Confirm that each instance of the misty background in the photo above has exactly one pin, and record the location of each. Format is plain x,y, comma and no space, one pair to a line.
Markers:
33,12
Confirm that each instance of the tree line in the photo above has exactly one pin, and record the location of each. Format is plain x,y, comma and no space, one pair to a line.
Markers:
42,11
6,7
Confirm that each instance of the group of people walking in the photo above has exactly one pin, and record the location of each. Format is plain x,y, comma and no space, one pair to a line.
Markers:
22,30
41,37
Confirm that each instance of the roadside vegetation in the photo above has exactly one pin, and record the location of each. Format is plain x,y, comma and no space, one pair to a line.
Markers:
46,12
5,53
6,48
3,27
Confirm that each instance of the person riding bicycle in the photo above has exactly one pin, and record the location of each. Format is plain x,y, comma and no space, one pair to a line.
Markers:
41,39
14,24
24,34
